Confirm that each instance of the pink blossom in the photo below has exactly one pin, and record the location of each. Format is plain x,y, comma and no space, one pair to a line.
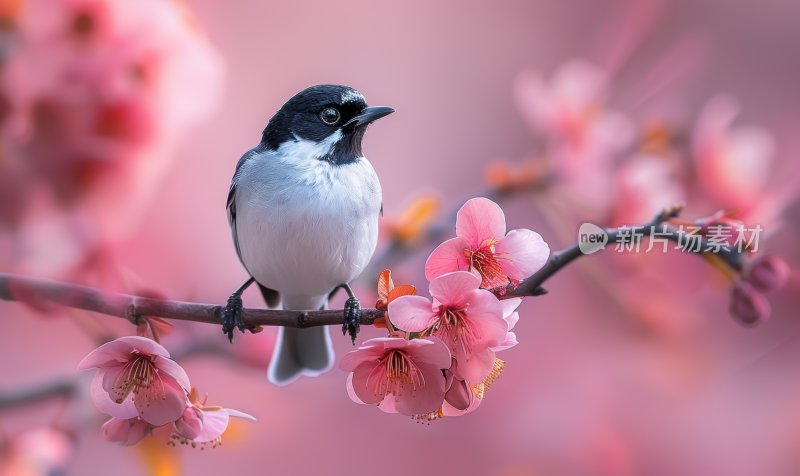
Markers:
644,186
482,246
469,320
137,378
127,431
202,423
733,163
582,135
400,375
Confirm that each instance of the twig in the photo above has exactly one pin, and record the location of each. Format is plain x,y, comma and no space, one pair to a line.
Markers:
125,306
63,387
532,286
129,307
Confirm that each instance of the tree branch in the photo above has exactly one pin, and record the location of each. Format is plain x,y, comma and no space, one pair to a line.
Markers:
39,291
532,286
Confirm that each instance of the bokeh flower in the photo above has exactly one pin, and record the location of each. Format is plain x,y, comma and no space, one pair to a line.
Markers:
136,377
98,93
482,246
36,451
469,320
733,164
405,375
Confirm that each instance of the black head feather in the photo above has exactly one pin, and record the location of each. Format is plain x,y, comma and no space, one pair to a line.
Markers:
300,118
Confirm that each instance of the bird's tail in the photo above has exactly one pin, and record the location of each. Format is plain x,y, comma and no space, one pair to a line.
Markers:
300,352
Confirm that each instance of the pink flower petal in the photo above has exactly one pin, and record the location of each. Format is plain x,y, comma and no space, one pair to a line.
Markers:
103,402
485,314
451,289
509,342
145,345
111,376
476,366
430,350
351,391
423,399
108,353
366,381
512,320
120,350
190,424
446,258
162,402
521,253
369,351
388,405
238,414
215,422
451,411
459,395
214,425
171,368
411,313
509,306
478,220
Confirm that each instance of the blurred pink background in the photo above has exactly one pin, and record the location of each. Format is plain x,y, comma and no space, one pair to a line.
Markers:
597,386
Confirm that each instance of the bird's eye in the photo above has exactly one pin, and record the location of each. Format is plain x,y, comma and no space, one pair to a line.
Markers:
329,115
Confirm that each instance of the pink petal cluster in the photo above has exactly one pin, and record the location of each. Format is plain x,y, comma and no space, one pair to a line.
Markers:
136,378
469,320
482,246
141,388
397,374
201,423
443,348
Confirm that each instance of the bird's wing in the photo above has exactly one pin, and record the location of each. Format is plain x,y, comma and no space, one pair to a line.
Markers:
271,296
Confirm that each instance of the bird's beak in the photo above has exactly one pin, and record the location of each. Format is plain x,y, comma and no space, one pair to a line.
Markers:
368,115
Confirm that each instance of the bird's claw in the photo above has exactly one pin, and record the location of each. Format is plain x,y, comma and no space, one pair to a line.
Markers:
233,316
352,318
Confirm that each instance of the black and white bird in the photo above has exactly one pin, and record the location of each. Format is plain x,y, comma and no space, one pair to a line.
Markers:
303,207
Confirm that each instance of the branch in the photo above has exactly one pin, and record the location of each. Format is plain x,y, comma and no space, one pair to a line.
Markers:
532,286
129,307
63,387
40,291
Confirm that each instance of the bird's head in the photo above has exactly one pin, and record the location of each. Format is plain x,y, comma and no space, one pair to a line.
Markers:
332,117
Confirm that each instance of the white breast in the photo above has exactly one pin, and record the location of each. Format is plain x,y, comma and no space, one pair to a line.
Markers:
305,226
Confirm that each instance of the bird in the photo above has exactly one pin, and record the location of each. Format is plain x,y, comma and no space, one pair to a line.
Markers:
303,207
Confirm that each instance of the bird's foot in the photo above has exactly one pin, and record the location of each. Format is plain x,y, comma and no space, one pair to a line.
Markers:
352,318
233,316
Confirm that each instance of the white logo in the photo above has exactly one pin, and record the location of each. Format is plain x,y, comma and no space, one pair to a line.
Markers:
591,238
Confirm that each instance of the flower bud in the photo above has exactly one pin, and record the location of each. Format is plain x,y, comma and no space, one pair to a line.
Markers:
125,431
458,394
748,305
190,424
767,274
